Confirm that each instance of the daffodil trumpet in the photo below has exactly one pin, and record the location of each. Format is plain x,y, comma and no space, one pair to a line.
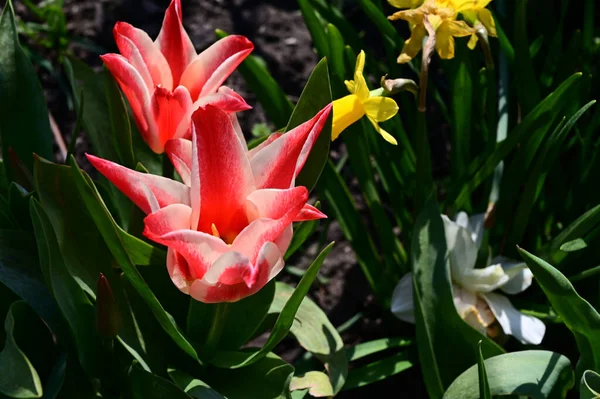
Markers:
362,102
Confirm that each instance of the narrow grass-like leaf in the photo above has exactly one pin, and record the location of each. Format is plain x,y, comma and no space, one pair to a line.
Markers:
282,325
315,27
368,348
589,387
484,384
529,92
577,313
378,370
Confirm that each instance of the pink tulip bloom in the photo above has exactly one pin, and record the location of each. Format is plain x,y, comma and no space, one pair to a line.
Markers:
229,223
165,80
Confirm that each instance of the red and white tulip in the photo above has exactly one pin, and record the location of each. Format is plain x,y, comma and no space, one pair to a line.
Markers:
229,223
165,80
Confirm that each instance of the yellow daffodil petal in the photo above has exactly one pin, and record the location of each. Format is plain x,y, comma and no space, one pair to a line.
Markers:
413,45
459,28
386,136
360,84
472,41
486,18
380,108
444,42
435,21
350,85
346,111
405,3
414,17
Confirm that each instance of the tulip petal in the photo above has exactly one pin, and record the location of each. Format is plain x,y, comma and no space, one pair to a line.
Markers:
136,91
223,173
527,329
200,250
272,137
284,204
276,165
166,220
472,309
135,185
402,299
237,278
171,111
462,249
481,280
179,152
309,212
209,69
141,52
225,99
174,42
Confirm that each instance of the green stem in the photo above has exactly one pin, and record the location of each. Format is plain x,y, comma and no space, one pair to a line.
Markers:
213,337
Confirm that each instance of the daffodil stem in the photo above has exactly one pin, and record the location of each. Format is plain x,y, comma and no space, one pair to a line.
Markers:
424,177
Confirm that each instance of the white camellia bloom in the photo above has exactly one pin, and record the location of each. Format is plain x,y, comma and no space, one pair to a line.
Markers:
473,288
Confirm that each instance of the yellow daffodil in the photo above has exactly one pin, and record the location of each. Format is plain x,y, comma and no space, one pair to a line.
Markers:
474,11
359,103
405,3
442,17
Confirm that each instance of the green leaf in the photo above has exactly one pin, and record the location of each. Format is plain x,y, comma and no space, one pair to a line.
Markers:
72,300
572,246
268,92
529,92
579,228
119,121
539,118
368,348
18,379
315,96
239,320
24,123
589,386
270,377
316,334
577,313
302,231
283,324
20,273
378,370
444,339
192,386
316,382
315,27
484,384
381,22
534,374
145,385
112,235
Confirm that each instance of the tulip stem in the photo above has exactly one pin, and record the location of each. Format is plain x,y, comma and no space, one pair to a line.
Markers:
213,337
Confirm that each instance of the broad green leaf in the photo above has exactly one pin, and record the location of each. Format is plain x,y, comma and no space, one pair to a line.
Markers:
20,273
577,313
535,374
316,334
72,300
484,384
24,123
315,96
55,381
192,386
579,228
18,379
316,382
368,348
283,324
113,237
335,61
18,201
444,339
268,92
145,385
572,246
269,377
589,386
378,370
239,322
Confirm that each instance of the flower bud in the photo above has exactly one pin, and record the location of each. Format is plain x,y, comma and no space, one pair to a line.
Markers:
108,317
395,86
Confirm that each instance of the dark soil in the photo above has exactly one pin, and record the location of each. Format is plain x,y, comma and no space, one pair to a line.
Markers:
277,29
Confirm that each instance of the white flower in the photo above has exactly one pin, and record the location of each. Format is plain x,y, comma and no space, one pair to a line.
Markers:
472,288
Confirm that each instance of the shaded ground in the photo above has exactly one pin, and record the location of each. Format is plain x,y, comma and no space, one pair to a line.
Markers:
277,29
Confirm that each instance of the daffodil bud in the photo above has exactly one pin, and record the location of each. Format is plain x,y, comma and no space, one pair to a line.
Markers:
394,86
108,317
